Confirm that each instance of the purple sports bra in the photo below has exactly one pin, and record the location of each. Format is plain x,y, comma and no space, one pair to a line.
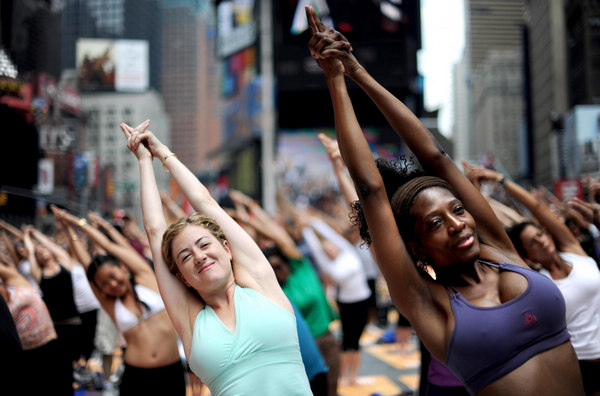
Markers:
489,342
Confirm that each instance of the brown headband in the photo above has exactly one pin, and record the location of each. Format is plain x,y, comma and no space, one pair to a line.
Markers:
404,196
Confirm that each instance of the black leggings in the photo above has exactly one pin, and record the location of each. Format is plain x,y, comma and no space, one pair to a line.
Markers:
54,374
87,333
318,385
354,319
165,380
589,374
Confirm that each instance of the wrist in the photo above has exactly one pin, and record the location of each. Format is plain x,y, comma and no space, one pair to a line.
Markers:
161,152
166,157
356,72
145,158
334,80
502,180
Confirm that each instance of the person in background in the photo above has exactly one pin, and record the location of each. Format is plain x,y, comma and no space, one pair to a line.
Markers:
52,370
274,240
352,234
12,362
19,254
126,288
336,257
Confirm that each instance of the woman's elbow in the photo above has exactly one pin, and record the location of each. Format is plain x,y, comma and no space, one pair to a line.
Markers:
154,231
370,188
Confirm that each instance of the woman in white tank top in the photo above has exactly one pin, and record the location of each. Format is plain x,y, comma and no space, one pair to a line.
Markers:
126,288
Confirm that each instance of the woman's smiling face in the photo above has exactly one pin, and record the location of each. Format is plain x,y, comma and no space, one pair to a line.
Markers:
446,232
202,259
112,279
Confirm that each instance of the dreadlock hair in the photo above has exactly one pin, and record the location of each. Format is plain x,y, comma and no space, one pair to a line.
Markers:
394,173
403,179
98,261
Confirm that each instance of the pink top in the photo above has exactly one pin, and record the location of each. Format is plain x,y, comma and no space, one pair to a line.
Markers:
31,316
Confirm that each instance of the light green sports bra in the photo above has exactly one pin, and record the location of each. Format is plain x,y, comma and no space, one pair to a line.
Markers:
262,355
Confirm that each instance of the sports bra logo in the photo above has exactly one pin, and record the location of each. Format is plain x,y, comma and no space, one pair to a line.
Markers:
530,320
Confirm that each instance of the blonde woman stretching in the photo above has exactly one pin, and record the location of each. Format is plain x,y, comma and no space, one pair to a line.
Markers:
236,324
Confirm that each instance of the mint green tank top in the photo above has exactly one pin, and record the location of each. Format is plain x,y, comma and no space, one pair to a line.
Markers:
261,357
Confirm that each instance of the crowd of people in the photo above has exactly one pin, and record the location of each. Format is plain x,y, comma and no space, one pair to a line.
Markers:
504,298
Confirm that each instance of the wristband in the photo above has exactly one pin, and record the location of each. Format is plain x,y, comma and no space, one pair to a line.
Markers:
167,156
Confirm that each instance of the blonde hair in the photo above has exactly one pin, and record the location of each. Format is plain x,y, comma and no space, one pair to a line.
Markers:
175,229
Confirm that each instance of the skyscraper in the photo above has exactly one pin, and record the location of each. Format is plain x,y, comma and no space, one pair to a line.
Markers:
190,79
494,49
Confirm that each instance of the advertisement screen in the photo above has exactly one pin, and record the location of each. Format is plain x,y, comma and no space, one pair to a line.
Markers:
112,65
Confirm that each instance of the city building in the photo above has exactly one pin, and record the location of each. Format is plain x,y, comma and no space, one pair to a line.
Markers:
385,37
191,80
547,45
497,111
491,84
27,44
583,51
117,170
460,128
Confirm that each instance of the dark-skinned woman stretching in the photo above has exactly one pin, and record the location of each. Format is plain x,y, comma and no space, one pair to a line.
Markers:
499,327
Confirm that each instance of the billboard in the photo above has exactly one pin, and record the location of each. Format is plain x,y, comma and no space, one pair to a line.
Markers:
303,165
112,65
582,135
236,26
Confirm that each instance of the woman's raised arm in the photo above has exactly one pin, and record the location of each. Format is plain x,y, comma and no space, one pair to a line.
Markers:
263,223
565,240
61,255
130,258
12,229
9,273
408,288
77,247
174,293
421,142
339,168
36,271
251,268
99,222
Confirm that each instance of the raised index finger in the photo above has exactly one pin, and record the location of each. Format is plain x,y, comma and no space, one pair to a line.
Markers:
314,22
324,139
466,165
310,17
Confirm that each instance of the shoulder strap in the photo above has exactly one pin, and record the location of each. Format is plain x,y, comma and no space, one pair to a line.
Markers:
448,288
491,263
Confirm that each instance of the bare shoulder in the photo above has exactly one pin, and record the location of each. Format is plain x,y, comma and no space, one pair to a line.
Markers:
510,256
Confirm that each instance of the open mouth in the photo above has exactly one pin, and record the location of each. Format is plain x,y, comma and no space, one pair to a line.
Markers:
466,242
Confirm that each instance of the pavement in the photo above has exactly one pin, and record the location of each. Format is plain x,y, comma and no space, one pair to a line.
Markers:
387,369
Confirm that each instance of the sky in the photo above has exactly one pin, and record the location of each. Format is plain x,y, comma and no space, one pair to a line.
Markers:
443,36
